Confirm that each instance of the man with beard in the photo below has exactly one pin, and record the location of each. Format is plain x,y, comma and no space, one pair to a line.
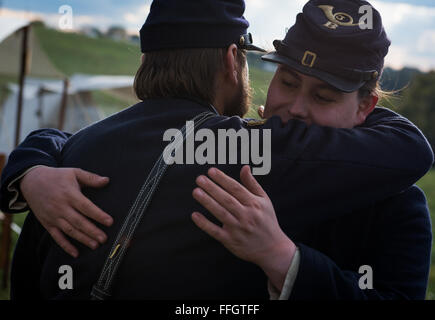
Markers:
193,63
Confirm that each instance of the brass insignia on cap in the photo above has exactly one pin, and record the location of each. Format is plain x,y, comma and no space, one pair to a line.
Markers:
309,59
242,40
337,19
375,75
253,122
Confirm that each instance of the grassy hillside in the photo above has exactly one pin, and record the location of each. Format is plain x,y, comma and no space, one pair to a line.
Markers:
75,53
19,220
259,82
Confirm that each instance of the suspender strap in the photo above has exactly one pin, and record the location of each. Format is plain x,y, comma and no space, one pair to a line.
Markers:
102,289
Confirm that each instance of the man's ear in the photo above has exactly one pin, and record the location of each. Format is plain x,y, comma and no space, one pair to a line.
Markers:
231,65
366,106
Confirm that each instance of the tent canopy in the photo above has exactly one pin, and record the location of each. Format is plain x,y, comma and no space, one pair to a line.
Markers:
10,51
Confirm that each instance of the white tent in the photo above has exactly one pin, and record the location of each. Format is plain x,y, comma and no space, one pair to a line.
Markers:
43,111
9,25
77,83
40,111
10,51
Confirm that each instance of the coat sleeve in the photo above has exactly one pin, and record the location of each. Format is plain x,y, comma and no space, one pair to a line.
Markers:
41,147
328,172
399,258
388,152
386,141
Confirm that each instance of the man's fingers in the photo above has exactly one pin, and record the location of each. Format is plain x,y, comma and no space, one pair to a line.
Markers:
85,226
250,182
89,209
60,239
215,208
208,227
222,197
74,233
89,179
230,185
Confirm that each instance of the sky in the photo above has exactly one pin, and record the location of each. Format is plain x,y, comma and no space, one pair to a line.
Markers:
410,24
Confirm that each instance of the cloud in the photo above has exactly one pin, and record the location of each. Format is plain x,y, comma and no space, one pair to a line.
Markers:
396,56
136,18
20,14
52,19
426,42
400,15
401,56
269,20
411,29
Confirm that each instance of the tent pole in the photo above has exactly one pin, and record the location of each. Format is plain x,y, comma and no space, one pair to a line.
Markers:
40,106
24,67
63,104
6,226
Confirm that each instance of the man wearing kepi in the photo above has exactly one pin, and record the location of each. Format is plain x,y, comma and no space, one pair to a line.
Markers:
194,63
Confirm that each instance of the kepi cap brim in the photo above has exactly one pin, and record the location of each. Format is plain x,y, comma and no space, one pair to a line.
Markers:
337,82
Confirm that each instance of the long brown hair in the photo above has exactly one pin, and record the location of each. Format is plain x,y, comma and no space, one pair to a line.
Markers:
181,73
373,87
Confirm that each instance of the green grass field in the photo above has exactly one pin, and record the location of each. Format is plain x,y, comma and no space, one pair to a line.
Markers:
72,53
259,82
19,220
75,53
427,183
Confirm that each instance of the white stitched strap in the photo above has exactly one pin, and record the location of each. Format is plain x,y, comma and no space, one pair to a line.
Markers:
136,212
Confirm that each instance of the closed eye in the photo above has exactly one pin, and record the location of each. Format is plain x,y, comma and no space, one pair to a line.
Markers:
324,99
289,84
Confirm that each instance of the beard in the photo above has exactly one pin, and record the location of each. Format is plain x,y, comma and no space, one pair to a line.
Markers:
241,102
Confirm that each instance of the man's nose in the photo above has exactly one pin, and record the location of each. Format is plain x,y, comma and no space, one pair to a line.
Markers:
298,108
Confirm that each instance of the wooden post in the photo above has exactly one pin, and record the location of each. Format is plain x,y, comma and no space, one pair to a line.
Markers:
7,222
63,104
24,68
39,112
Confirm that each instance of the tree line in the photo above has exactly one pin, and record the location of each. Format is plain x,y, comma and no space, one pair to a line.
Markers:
414,99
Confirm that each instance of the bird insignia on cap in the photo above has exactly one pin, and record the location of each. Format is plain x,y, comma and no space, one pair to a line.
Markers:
337,19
